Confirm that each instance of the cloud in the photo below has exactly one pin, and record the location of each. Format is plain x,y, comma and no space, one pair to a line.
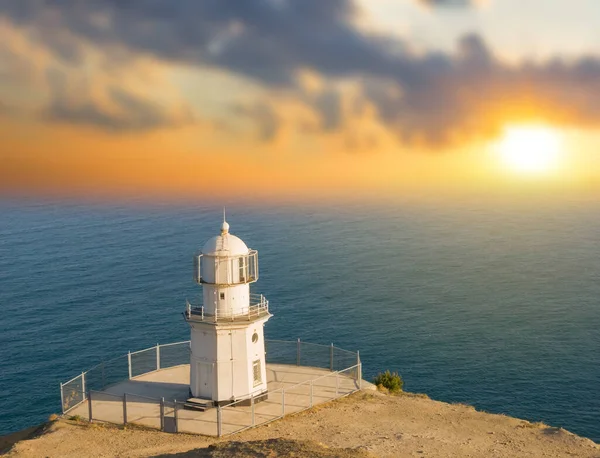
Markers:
264,116
78,85
265,40
432,97
123,112
449,2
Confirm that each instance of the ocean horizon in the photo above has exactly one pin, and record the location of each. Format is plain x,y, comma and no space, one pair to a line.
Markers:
490,304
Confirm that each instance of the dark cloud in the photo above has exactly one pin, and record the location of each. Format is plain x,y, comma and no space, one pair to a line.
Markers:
117,110
477,93
329,104
448,2
268,40
436,97
264,116
131,113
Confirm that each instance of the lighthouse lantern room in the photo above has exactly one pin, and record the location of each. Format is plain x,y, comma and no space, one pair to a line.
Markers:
227,360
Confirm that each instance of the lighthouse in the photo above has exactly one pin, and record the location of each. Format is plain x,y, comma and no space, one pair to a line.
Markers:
227,345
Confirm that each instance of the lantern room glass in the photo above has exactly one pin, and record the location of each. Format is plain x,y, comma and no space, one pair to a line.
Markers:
226,269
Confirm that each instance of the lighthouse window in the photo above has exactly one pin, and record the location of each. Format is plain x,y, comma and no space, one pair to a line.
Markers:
222,296
242,265
254,337
256,370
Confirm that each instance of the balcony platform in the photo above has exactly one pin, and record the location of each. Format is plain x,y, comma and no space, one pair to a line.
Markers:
285,396
195,315
258,309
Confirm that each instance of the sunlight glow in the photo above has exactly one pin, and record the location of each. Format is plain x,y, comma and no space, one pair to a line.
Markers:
532,150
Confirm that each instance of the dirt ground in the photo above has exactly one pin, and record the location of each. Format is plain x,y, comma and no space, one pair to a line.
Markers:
365,424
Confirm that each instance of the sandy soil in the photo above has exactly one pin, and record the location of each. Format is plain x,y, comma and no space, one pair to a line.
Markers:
364,424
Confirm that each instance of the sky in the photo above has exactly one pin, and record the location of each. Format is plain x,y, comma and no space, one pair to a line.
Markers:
217,99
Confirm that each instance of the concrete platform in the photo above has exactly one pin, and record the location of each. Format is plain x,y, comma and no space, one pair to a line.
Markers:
291,389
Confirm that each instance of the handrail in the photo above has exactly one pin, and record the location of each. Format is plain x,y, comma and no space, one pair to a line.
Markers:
267,341
141,351
253,310
188,341
174,343
311,381
74,378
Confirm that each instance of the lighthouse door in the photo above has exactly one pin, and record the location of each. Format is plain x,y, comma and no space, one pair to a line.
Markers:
205,377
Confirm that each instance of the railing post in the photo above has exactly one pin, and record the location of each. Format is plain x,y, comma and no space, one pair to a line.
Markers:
83,385
359,369
331,357
129,363
202,311
219,421
282,402
298,353
175,415
162,414
124,408
62,398
157,357
252,407
89,398
311,393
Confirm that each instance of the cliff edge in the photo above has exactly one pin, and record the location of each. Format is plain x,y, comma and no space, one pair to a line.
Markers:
365,424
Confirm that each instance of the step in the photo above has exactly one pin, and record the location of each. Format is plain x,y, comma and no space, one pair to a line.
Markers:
198,404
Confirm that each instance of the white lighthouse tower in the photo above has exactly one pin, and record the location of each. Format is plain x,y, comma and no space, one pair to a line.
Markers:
227,361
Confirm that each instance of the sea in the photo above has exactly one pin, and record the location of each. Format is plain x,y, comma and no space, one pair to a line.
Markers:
486,301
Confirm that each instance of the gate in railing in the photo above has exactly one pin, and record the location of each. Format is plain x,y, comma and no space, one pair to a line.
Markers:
339,374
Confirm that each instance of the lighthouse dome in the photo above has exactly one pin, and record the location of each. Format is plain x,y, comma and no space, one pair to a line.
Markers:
225,244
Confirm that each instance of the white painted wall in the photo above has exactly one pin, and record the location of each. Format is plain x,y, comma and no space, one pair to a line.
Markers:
256,351
236,299
228,354
203,346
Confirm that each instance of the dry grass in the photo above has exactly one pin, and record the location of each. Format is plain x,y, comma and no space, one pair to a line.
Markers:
384,390
465,405
533,425
412,395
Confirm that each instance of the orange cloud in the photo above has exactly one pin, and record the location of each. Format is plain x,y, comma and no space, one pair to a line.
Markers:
90,102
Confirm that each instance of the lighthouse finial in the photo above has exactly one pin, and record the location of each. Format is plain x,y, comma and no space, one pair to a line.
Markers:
224,226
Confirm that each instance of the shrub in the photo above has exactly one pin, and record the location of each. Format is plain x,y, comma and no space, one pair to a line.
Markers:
390,381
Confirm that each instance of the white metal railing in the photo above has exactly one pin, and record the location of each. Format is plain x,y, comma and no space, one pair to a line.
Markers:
258,307
128,366
335,384
344,377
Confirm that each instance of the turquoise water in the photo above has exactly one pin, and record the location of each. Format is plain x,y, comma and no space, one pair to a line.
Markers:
495,305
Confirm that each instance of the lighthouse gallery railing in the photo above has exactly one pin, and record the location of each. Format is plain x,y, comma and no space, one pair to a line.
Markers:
344,378
259,306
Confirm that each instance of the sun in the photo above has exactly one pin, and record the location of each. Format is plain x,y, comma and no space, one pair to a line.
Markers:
530,150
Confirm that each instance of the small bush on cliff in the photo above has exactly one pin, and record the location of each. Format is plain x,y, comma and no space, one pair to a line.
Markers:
390,381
